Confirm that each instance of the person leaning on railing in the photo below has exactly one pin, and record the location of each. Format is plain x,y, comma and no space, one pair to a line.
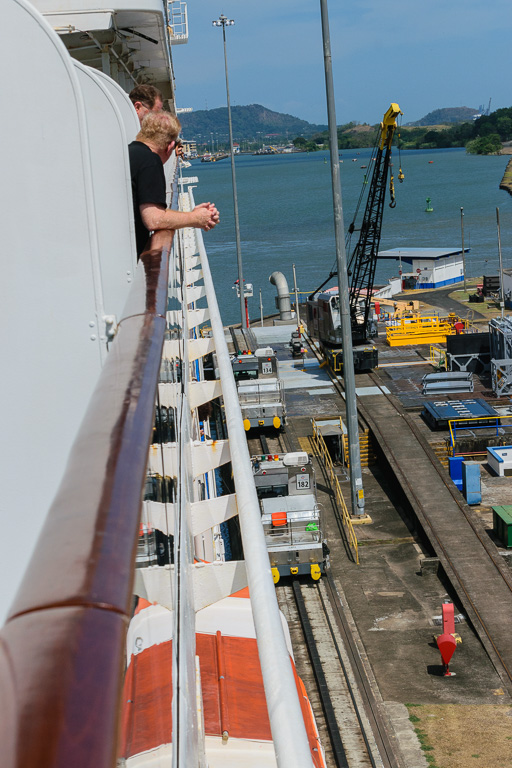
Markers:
145,99
153,147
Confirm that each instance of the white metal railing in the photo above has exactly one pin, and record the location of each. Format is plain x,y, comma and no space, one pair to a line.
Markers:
284,711
178,21
293,534
186,749
260,396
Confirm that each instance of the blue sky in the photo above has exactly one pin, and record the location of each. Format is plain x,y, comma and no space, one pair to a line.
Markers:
424,55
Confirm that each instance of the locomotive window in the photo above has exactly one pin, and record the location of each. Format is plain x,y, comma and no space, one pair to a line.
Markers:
272,491
245,375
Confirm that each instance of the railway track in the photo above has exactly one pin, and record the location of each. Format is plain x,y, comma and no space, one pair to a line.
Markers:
243,339
457,578
353,728
268,443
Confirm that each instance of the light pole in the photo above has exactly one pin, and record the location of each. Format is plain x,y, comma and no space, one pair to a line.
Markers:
224,22
463,254
356,477
502,292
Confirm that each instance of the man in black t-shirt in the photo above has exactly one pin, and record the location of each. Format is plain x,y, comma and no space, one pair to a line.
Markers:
152,148
148,186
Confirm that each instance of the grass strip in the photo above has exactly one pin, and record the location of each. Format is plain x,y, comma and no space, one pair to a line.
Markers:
422,737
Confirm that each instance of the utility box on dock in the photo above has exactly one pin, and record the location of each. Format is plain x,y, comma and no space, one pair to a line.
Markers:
499,459
502,524
455,466
471,486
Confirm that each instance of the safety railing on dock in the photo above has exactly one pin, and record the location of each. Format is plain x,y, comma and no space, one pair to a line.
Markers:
496,425
321,447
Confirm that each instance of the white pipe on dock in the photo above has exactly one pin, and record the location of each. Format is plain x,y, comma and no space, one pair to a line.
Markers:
283,295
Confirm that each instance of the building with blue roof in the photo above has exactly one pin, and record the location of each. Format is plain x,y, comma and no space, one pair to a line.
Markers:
427,267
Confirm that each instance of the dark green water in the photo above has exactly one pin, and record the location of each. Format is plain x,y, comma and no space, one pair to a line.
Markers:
285,209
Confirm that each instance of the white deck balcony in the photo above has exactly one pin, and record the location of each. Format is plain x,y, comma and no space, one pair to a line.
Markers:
130,44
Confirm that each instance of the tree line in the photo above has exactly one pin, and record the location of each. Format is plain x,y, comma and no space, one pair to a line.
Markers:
482,136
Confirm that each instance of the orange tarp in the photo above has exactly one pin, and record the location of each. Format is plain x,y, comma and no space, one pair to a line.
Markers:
241,593
147,701
146,720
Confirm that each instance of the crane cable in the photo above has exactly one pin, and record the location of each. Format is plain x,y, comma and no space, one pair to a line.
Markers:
352,226
401,177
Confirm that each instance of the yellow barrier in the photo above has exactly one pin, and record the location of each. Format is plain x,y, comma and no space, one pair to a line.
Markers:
319,443
437,357
424,330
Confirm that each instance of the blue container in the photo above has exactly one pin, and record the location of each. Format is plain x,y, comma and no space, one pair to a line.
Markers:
455,467
471,482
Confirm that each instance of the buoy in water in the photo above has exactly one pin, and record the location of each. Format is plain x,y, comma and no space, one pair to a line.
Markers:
429,208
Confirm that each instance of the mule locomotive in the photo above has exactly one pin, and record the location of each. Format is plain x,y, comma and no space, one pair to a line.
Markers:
290,515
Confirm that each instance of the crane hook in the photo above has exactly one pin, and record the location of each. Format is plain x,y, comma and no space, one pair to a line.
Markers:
392,204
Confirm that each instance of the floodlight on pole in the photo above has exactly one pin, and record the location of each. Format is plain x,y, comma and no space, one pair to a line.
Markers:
224,22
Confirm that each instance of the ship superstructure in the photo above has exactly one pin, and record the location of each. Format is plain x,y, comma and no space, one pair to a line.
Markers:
115,341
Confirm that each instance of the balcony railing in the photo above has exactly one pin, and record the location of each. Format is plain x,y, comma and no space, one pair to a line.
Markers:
178,21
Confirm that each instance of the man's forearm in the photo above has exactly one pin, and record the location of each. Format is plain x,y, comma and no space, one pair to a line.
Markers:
158,218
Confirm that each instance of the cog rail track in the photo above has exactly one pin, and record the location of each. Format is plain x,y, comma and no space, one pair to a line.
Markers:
267,444
350,712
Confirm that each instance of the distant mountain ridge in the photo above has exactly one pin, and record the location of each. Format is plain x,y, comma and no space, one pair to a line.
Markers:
248,122
447,116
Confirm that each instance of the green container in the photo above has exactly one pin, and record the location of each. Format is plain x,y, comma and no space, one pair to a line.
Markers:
502,524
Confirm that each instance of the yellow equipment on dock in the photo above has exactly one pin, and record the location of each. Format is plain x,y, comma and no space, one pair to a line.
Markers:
424,330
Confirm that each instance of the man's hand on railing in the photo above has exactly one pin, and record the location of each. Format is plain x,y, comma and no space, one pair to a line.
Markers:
206,216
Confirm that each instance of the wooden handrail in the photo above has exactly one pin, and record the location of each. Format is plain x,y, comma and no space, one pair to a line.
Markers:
62,648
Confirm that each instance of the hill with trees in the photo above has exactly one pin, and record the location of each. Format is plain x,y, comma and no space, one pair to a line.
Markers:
257,125
482,136
447,116
249,123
